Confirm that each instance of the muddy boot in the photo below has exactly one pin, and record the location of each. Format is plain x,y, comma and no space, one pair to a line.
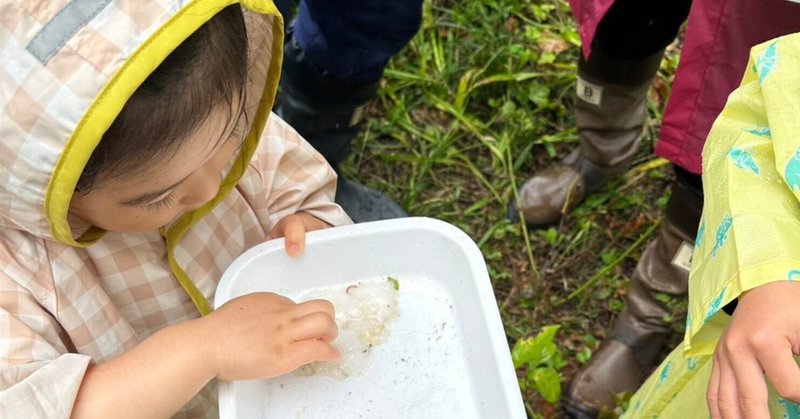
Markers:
610,112
328,114
630,352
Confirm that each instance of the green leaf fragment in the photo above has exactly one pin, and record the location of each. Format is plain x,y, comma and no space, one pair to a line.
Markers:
537,350
548,383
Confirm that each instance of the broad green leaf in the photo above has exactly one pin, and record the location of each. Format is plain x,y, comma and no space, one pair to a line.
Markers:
536,350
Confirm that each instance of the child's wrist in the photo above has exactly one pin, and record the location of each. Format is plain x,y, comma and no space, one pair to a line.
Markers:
205,346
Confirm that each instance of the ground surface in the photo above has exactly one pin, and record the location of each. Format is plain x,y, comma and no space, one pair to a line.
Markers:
479,101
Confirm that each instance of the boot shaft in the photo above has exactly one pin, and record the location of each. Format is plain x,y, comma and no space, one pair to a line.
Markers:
663,269
328,113
612,108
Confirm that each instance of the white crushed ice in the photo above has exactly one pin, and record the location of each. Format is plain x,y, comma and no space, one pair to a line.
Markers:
364,314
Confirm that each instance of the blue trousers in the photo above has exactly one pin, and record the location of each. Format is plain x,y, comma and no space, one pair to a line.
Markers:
352,40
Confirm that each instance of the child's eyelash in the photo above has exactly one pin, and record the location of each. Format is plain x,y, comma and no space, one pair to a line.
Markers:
160,204
237,135
237,132
166,201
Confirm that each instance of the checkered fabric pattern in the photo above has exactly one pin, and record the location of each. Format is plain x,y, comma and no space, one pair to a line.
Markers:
42,102
63,308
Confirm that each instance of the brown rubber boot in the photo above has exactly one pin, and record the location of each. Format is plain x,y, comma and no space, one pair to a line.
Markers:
630,352
610,112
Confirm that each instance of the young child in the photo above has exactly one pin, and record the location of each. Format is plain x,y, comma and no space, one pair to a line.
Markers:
138,160
739,358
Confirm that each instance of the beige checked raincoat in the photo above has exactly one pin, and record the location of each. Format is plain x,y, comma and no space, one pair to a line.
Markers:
72,295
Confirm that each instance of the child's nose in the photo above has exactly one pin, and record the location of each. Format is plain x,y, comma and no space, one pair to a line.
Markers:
203,188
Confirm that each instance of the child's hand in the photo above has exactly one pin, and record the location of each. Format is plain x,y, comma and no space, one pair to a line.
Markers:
761,338
294,228
263,335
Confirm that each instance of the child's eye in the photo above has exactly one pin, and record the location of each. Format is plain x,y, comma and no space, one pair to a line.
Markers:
237,132
240,128
238,135
162,203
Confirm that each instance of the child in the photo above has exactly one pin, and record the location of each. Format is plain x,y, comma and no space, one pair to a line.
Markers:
746,260
132,176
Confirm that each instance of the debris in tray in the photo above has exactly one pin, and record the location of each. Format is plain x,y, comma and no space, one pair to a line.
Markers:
365,312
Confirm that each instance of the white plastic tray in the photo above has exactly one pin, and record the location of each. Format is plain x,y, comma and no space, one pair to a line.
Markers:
446,356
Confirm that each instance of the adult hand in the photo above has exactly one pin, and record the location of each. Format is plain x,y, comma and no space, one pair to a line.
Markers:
262,335
293,228
762,337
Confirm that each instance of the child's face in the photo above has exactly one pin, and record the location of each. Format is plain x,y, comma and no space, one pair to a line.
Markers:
157,195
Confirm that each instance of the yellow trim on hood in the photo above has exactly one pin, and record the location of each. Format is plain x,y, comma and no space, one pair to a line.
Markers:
110,101
108,104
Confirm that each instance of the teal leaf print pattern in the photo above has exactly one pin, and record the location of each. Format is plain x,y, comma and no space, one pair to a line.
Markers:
744,160
691,363
792,172
766,63
761,132
722,234
700,232
664,373
793,275
790,410
715,305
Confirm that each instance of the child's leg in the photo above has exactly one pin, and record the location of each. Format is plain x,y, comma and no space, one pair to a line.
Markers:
351,41
334,57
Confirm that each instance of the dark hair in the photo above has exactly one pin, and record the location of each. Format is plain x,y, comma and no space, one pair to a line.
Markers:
209,68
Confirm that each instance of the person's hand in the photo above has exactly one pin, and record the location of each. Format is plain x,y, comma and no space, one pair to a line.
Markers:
294,228
264,335
761,338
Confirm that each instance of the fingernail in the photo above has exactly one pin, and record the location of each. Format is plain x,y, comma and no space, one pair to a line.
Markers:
293,249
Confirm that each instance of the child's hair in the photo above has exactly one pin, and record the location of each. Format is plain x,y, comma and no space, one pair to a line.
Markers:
204,71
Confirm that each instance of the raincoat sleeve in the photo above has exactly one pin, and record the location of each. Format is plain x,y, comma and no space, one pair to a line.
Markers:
292,176
39,377
749,234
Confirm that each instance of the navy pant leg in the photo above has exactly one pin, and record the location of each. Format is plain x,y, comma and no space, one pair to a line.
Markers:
352,40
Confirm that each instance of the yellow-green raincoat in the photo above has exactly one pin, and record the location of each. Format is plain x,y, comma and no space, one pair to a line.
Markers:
749,234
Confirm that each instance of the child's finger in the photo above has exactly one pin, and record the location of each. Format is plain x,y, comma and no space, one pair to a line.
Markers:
728,391
783,371
308,351
712,394
277,231
751,387
312,306
295,233
313,223
314,326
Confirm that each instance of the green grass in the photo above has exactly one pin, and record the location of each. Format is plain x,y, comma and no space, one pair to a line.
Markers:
478,102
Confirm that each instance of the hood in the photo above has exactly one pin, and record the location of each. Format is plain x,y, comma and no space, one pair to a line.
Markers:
67,68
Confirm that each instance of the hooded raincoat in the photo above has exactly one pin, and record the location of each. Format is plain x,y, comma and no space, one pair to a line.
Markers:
749,234
73,295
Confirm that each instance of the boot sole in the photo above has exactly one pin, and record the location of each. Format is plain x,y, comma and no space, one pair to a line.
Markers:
575,411
513,216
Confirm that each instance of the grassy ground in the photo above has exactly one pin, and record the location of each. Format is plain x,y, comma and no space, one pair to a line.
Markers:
477,103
